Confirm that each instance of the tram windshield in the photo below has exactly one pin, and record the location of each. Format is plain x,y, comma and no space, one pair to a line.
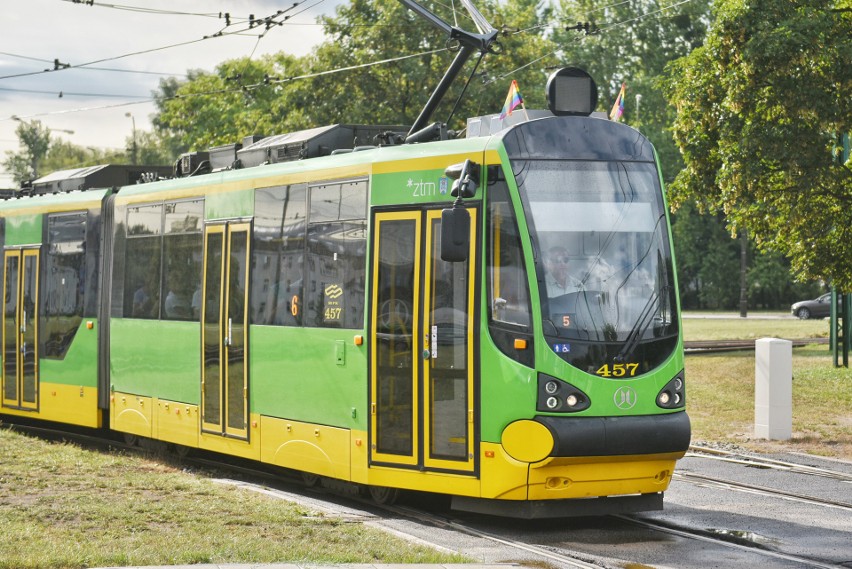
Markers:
603,261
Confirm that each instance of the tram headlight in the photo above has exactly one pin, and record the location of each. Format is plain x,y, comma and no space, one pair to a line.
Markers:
555,395
673,394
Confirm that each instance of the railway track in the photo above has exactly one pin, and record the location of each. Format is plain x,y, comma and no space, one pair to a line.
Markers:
353,507
713,346
731,541
764,462
563,557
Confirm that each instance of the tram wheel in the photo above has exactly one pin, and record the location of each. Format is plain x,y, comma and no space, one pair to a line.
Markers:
383,495
131,440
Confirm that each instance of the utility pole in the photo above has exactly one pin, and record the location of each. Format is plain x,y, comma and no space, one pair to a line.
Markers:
743,271
638,121
133,148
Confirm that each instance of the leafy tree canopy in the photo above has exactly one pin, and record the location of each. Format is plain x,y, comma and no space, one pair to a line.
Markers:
632,42
342,81
761,108
42,153
25,165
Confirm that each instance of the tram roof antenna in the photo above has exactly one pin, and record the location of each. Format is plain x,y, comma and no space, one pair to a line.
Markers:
469,43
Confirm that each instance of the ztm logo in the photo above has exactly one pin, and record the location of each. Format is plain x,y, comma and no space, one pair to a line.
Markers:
624,398
333,291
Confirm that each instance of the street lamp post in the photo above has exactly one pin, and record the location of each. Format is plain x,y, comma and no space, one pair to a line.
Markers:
638,100
133,148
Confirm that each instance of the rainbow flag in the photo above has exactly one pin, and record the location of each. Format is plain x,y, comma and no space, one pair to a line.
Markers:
513,99
618,107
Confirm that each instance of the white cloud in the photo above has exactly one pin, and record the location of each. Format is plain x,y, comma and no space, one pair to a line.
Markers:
44,30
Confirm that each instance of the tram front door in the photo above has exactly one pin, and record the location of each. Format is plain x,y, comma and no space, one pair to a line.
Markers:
20,329
421,376
224,330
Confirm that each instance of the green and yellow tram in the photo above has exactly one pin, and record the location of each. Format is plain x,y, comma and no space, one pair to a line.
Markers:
516,345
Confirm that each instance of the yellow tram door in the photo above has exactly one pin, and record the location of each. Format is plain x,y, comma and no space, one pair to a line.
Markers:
421,376
224,330
20,329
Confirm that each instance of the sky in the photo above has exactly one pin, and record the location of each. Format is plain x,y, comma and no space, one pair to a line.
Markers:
102,106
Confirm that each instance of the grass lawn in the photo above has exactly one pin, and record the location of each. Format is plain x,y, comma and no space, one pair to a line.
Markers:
65,507
720,388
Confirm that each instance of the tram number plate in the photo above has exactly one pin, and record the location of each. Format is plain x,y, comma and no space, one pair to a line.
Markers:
333,301
617,370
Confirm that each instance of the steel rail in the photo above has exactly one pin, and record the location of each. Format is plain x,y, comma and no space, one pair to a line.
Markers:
701,536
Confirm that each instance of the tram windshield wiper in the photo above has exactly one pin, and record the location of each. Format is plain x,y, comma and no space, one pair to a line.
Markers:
637,332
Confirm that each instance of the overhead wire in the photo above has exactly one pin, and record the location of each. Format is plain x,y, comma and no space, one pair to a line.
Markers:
270,80
89,68
277,80
144,9
598,30
266,22
73,94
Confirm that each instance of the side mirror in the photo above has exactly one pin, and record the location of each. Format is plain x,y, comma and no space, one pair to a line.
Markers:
455,234
466,175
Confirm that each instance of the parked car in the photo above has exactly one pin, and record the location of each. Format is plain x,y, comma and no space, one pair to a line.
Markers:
817,308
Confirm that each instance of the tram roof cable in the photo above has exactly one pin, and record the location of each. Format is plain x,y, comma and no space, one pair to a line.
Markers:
468,42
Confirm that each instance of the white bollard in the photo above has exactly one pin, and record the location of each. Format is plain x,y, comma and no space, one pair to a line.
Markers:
773,389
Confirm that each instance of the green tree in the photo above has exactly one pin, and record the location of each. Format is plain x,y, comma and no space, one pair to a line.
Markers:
707,260
34,140
760,108
366,31
335,84
770,285
634,42
42,153
209,109
64,155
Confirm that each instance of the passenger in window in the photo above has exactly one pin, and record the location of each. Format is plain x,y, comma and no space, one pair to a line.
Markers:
141,302
175,306
196,303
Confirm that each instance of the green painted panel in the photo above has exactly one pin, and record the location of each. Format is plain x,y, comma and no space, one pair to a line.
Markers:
295,374
156,359
80,365
23,229
414,187
508,389
229,205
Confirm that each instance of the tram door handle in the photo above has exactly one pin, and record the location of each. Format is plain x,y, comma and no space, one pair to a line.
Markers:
23,321
230,332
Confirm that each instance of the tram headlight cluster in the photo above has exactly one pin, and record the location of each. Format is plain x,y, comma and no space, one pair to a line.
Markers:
555,395
673,394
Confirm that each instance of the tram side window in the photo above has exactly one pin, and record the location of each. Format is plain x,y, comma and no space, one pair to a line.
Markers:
278,255
508,285
182,244
509,292
64,282
143,255
337,244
